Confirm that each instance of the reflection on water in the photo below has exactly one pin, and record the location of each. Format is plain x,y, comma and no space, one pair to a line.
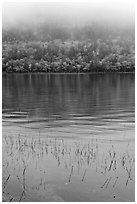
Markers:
68,95
68,137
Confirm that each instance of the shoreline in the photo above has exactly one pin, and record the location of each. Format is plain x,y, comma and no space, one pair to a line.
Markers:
71,73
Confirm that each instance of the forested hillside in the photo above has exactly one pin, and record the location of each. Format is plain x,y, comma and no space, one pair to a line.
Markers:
52,47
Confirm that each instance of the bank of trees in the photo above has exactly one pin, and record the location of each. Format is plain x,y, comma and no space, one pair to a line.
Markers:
57,49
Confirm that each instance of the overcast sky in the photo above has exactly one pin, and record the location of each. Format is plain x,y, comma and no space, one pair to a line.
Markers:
111,11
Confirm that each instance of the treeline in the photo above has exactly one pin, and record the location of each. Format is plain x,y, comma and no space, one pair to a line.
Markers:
61,48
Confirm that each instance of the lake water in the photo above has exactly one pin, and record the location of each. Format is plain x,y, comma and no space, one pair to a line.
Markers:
68,137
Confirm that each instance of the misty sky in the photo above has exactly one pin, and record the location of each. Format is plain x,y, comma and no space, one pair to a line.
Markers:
111,11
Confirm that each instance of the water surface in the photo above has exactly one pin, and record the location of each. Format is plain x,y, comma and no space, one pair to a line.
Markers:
74,133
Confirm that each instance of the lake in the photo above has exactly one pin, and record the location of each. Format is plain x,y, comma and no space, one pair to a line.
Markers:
68,137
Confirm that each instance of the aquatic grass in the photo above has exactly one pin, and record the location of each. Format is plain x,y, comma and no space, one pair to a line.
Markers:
108,182
5,183
84,175
71,172
115,182
76,158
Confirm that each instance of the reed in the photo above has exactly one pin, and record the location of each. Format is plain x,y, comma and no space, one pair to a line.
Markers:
21,153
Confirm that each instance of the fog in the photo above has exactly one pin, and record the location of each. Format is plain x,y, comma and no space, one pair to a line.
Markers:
77,13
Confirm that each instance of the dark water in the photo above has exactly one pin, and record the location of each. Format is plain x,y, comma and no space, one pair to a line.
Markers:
75,108
93,101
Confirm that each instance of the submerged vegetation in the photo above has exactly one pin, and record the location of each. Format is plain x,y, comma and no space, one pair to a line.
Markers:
68,49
